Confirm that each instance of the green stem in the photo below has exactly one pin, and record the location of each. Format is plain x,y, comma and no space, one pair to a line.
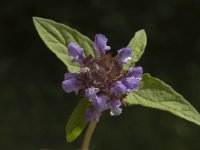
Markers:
88,135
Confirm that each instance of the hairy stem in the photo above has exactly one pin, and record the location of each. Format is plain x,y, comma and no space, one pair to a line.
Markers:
88,135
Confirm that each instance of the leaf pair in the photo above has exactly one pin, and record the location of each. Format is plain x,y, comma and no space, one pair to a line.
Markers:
152,93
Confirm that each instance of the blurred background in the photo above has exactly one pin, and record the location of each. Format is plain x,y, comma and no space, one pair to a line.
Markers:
33,107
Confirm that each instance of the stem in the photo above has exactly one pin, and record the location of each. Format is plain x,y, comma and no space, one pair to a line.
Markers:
88,135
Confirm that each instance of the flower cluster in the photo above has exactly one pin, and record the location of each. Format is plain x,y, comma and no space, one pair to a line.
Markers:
101,78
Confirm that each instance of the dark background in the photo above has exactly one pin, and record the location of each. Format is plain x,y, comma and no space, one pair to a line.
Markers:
33,107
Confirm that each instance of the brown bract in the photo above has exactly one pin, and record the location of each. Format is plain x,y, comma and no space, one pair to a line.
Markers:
101,72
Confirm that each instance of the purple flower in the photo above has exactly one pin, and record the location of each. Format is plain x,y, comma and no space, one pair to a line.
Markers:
91,91
100,44
118,88
92,114
71,75
115,109
101,78
124,55
72,82
131,83
133,78
135,72
76,52
100,102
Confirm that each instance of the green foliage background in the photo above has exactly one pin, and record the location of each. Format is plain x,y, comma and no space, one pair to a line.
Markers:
34,109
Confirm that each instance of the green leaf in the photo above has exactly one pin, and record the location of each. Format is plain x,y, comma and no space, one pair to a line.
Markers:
57,36
77,121
138,44
155,93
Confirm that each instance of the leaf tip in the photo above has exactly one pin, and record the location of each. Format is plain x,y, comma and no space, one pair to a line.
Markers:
142,30
71,135
37,19
34,18
69,139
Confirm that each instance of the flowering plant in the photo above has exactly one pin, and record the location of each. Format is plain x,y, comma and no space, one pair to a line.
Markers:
106,82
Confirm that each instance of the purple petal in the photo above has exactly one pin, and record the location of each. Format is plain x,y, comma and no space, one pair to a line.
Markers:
72,84
100,44
92,114
115,108
131,83
124,55
115,103
90,92
100,102
135,72
76,52
71,75
118,88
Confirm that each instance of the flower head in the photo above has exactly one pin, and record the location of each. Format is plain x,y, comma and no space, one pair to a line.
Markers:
102,78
